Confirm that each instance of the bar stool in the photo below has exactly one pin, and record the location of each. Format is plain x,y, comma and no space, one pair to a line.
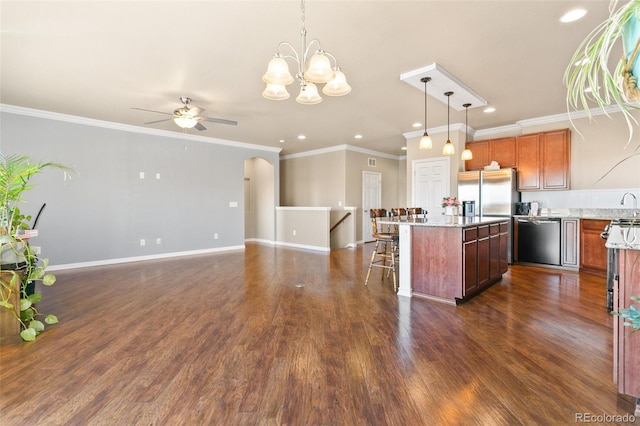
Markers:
414,213
386,249
399,213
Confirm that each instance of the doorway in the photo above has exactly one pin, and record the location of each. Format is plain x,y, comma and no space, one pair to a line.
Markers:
431,183
371,199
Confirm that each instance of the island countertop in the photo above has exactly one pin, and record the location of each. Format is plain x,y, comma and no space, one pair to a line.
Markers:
447,221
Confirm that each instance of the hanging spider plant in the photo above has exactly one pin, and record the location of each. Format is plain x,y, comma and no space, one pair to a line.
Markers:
588,77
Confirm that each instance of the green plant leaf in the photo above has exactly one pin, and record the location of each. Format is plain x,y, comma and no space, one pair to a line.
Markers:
25,304
27,315
51,319
35,297
38,326
48,279
28,335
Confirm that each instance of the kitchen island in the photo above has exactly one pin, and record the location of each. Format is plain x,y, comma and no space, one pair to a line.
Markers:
451,258
624,237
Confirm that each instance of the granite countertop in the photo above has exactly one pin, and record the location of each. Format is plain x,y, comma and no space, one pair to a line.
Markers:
584,213
624,237
450,221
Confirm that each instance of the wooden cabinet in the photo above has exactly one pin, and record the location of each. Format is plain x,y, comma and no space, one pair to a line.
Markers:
451,263
556,159
570,242
593,253
480,151
485,250
470,260
626,344
543,160
502,150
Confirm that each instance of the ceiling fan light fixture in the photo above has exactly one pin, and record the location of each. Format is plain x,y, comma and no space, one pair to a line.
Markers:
275,92
308,94
185,122
338,86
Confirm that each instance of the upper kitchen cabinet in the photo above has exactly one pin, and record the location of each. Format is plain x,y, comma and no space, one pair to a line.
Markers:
502,151
543,160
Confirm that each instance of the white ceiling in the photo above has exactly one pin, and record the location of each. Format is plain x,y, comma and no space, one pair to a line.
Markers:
98,59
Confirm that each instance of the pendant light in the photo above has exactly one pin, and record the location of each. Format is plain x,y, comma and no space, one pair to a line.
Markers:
466,154
425,140
448,148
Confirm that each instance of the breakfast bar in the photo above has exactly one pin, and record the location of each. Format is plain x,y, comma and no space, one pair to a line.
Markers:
451,258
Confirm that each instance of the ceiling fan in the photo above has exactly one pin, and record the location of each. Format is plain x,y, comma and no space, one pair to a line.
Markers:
187,116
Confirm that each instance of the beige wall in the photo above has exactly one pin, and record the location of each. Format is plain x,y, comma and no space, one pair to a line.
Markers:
259,199
313,180
331,178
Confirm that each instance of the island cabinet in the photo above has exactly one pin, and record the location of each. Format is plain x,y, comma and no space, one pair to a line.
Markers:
626,343
452,263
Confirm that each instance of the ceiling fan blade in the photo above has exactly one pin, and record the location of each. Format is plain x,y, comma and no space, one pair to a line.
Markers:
150,110
158,121
220,121
200,127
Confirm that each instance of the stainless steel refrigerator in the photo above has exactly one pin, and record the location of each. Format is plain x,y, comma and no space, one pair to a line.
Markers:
495,194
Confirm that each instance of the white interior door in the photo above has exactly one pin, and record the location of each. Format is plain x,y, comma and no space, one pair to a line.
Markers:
431,183
371,199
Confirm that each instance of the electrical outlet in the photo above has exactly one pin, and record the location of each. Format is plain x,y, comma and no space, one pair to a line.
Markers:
158,240
294,232
157,175
215,236
141,175
142,242
36,249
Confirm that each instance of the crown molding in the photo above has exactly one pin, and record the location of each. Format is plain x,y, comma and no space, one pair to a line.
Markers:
12,109
339,148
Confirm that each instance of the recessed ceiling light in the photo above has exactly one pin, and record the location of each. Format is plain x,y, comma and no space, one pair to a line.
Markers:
404,148
301,137
489,109
416,125
573,15
358,136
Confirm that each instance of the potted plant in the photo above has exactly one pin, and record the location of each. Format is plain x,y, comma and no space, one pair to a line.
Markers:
588,77
19,264
631,315
451,206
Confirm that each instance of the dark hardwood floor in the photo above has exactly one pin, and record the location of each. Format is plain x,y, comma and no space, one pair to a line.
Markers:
283,336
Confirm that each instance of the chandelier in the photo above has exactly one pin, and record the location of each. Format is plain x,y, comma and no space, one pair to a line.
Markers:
311,71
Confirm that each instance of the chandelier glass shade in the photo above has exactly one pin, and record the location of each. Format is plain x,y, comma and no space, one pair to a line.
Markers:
313,70
466,153
448,148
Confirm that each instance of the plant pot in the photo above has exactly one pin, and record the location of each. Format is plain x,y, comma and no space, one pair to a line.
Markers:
630,37
451,211
10,327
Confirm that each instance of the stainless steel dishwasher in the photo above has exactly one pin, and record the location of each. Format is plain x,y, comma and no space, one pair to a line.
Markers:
538,240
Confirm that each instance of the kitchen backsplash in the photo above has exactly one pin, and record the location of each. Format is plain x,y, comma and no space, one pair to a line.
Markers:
582,198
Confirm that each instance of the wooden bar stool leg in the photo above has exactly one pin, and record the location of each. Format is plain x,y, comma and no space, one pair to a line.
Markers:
373,257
